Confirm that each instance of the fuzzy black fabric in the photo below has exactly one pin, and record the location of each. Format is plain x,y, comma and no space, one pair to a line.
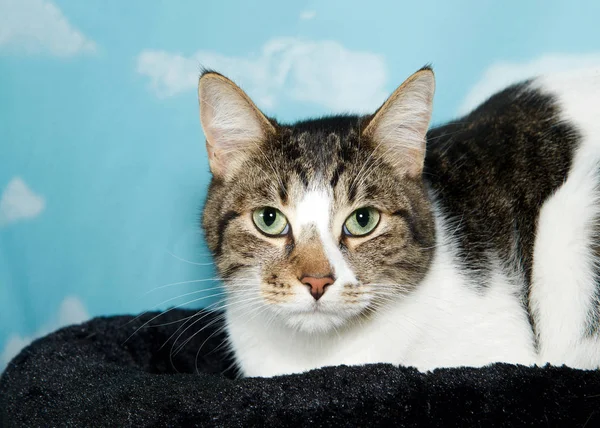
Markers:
86,375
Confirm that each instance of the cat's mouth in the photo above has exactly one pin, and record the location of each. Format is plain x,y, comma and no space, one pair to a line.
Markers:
321,308
320,317
315,308
326,308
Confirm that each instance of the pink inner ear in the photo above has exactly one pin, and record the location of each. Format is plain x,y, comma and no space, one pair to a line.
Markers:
400,126
214,155
232,123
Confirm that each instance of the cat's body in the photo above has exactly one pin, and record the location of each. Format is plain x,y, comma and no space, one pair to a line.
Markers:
486,248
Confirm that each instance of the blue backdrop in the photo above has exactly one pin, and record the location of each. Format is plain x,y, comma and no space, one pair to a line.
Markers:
102,165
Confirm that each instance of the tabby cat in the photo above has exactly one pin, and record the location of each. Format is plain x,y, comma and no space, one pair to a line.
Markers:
365,239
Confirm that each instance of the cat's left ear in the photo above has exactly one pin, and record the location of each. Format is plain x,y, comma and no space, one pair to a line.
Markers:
398,129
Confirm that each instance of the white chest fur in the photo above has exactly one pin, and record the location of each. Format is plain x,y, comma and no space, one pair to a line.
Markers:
445,322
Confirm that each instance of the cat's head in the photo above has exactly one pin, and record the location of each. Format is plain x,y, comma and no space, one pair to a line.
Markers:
320,222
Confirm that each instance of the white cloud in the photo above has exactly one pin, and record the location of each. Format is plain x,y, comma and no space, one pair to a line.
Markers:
39,26
307,15
323,72
19,202
502,74
71,311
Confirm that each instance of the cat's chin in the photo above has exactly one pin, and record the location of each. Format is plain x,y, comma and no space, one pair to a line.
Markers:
319,321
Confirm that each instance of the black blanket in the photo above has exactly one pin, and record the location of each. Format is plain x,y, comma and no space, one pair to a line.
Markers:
86,375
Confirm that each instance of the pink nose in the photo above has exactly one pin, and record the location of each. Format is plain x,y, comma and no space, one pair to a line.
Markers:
317,284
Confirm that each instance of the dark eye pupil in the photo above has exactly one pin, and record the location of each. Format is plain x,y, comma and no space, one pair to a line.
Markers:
362,217
269,216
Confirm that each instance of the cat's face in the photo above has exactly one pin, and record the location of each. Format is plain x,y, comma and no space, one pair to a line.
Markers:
323,221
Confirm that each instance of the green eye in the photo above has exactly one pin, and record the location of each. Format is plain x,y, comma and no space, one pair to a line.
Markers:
361,222
270,221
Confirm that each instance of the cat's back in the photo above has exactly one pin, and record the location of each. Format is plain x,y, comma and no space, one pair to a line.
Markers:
536,123
519,181
541,118
494,168
528,131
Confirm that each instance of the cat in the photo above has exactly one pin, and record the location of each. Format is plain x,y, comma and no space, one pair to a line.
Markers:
369,239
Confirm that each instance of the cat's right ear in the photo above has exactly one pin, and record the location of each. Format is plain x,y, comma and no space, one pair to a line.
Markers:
232,123
400,125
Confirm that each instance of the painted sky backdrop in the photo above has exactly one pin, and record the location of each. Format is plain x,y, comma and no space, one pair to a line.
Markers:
102,164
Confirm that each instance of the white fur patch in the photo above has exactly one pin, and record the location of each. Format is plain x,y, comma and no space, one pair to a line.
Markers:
315,209
564,287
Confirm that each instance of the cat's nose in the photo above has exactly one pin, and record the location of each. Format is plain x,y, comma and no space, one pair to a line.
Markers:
317,284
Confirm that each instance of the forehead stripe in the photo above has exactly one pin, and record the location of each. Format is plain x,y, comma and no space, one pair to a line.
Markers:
315,210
